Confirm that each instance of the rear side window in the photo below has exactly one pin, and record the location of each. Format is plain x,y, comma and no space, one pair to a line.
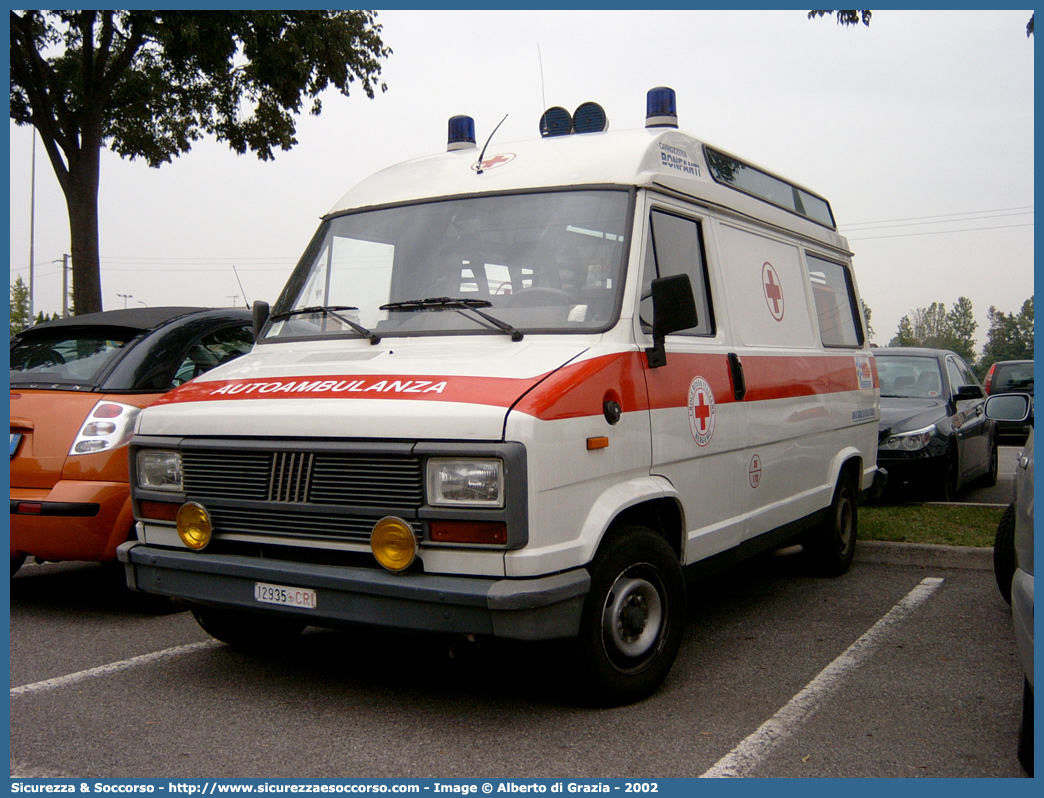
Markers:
212,350
836,308
1013,378
675,246
68,355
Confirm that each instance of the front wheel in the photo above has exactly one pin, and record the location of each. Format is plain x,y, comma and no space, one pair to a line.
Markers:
831,544
633,617
246,630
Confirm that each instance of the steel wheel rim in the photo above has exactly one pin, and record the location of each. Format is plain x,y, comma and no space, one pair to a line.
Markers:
633,619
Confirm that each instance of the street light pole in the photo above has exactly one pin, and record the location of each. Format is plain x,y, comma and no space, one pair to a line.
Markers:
125,298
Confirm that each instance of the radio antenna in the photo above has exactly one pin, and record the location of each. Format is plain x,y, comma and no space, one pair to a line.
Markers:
245,300
540,60
483,153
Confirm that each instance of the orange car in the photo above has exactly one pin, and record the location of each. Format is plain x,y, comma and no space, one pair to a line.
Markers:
77,385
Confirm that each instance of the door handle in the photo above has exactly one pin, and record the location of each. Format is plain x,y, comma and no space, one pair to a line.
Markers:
739,382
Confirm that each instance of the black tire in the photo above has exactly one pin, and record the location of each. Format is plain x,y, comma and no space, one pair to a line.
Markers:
989,479
633,617
1004,552
948,482
830,546
1026,729
16,563
246,630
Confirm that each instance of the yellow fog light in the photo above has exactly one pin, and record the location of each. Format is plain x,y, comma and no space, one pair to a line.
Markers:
393,543
194,525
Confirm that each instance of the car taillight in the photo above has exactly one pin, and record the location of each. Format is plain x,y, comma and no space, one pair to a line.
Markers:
109,425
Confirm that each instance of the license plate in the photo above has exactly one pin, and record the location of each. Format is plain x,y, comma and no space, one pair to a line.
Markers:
285,596
15,440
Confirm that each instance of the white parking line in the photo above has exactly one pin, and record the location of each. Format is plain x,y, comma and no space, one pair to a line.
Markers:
742,759
114,667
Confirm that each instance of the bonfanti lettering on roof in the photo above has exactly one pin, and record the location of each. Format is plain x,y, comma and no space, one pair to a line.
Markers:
676,158
331,386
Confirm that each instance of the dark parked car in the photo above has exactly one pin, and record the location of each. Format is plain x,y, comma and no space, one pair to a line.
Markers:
1012,376
934,435
77,385
1013,561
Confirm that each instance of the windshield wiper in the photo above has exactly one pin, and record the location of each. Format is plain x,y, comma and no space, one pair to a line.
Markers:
451,303
330,310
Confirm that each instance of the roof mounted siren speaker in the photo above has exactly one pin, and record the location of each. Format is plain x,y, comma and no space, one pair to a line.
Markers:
556,121
461,133
661,108
590,118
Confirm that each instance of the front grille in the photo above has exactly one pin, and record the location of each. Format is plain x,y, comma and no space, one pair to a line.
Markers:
301,495
323,478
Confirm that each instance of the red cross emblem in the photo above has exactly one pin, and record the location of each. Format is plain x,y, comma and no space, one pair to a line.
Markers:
773,291
494,161
701,411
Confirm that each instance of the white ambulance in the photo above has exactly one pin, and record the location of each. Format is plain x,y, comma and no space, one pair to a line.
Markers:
514,392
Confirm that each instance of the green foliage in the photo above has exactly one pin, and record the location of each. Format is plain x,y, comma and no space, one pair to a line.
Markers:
866,315
148,84
935,327
19,305
1010,336
845,17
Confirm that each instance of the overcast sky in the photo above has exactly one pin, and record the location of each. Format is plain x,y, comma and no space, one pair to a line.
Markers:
918,129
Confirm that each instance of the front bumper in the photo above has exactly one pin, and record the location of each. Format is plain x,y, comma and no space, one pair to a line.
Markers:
541,608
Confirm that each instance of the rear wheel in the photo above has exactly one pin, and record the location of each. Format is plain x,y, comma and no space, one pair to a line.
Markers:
1004,552
246,630
633,617
830,546
989,479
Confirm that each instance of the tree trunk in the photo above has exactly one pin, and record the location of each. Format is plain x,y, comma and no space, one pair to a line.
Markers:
81,198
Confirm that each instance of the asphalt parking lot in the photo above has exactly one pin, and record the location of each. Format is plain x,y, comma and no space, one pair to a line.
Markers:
905,667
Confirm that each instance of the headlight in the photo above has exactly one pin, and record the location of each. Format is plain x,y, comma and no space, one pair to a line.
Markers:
159,470
466,483
909,441
108,426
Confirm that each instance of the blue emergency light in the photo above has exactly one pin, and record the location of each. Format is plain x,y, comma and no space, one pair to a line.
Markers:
661,108
461,133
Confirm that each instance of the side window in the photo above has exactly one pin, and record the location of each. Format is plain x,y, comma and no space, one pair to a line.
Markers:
212,350
953,371
967,375
675,246
839,323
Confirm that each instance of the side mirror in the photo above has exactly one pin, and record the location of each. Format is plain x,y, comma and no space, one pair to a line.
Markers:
260,312
968,392
673,309
1008,407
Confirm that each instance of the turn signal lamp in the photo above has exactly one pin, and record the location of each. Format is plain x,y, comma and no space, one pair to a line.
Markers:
393,543
661,108
194,525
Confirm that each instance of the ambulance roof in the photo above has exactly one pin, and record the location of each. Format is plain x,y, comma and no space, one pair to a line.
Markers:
662,158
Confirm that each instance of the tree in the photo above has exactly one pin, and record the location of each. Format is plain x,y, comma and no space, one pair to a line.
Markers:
936,328
855,17
866,315
1010,336
20,305
150,83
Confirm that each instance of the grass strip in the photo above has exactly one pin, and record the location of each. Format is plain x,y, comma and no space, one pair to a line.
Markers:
945,524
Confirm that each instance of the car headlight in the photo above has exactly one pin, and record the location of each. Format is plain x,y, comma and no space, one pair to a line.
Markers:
108,426
909,441
159,470
469,482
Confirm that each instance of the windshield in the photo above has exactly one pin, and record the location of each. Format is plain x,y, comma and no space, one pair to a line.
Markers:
543,262
68,355
909,376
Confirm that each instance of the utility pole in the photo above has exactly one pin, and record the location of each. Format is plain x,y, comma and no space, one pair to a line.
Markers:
65,286
32,229
125,298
